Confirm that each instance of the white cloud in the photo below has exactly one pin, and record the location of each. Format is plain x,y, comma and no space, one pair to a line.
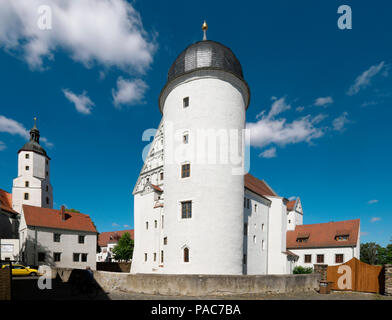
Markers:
82,102
269,130
115,224
15,128
128,92
372,201
339,122
126,226
105,32
292,198
300,108
363,80
375,219
2,146
323,101
269,153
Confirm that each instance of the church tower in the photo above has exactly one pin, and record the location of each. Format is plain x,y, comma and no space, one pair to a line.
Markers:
32,185
203,105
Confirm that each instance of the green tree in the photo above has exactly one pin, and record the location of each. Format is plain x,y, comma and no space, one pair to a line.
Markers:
124,249
302,270
370,252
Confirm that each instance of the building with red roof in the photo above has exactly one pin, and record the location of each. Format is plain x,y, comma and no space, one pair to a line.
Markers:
57,238
107,241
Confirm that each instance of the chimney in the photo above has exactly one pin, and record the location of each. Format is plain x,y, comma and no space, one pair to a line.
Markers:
62,213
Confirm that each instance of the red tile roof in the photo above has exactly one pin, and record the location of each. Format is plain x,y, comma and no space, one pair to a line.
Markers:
50,218
157,188
322,235
290,205
112,237
259,187
6,201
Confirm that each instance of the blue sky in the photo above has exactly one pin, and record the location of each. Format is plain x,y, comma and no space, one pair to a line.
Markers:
93,81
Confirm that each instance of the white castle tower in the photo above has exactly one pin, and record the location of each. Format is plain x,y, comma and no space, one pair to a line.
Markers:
205,95
32,186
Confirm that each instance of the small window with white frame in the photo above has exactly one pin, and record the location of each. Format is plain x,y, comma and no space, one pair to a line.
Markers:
185,102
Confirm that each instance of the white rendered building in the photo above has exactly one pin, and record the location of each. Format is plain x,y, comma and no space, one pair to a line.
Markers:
57,238
195,213
32,185
329,243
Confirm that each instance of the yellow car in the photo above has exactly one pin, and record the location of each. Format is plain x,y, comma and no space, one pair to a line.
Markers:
19,270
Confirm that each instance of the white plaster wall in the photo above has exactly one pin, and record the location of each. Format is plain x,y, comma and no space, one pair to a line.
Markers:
253,243
147,241
277,260
214,234
294,219
329,255
11,255
37,178
37,239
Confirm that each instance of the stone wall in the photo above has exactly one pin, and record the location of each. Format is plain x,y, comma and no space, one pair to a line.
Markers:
321,269
388,280
5,284
205,285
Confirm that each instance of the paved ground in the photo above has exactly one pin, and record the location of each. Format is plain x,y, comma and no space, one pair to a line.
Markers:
26,288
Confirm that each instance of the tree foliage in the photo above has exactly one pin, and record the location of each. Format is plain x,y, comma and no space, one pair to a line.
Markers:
302,270
373,253
124,249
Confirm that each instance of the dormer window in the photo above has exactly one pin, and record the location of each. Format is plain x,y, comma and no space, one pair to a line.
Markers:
302,239
343,237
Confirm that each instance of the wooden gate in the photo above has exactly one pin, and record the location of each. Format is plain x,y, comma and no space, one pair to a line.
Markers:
355,275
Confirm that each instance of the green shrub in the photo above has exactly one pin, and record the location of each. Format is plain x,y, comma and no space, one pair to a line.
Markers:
302,270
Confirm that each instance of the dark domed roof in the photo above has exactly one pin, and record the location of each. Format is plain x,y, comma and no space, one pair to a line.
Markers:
205,54
35,147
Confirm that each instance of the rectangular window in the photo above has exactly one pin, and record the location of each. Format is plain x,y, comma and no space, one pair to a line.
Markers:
27,156
81,239
155,256
185,138
57,256
76,257
161,174
320,258
245,229
244,259
27,184
247,203
186,209
41,256
339,258
146,225
162,256
84,257
27,168
156,224
185,102
255,207
308,258
26,196
56,237
165,241
145,257
185,170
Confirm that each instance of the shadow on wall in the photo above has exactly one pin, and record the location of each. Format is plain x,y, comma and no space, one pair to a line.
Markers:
114,266
35,254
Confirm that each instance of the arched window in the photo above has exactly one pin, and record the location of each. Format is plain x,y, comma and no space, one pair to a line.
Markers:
186,254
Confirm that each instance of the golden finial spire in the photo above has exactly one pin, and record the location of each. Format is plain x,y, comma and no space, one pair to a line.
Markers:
35,122
205,28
